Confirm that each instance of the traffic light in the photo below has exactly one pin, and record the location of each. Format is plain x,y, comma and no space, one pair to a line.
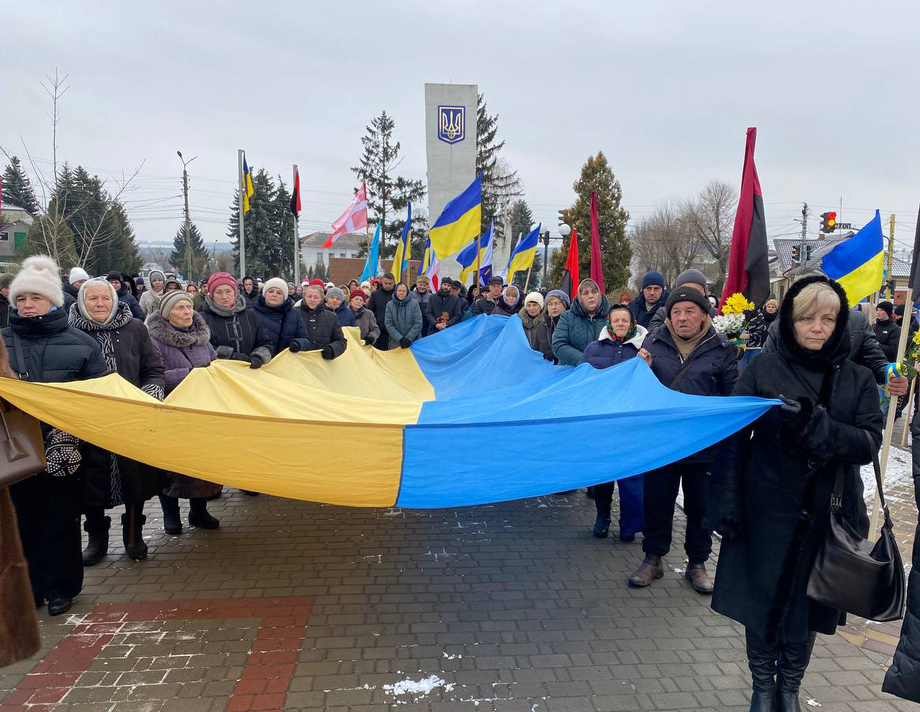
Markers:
828,222
796,253
807,253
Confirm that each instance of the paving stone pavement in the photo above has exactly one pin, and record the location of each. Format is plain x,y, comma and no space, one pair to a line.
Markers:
511,607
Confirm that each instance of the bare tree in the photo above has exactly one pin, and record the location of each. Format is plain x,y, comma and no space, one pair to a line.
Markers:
711,217
664,242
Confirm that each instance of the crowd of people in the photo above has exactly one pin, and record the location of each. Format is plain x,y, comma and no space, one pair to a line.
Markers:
766,490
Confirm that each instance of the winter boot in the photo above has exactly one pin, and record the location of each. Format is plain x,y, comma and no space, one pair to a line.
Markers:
132,531
601,527
97,527
762,662
790,669
647,572
199,516
172,522
699,579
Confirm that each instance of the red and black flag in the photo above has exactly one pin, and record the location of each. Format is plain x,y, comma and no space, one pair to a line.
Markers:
295,194
748,263
570,279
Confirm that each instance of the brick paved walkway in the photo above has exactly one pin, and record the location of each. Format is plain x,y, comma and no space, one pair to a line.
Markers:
508,607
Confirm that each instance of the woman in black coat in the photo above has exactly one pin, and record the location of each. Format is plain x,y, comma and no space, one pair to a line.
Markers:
109,479
323,328
236,331
282,323
773,488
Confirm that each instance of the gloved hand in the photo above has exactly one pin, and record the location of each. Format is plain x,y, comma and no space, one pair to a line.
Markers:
369,340
328,353
255,361
224,352
549,357
237,356
796,414
404,342
294,346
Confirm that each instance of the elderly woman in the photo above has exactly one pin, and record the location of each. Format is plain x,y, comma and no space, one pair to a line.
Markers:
276,312
335,302
557,301
181,338
236,331
510,302
619,342
111,480
534,320
581,324
151,297
364,317
772,490
759,324
403,319
323,328
43,347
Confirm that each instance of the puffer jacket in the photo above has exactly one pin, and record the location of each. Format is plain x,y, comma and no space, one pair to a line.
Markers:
538,336
365,321
345,315
237,332
607,351
282,324
403,320
643,314
323,330
576,330
888,333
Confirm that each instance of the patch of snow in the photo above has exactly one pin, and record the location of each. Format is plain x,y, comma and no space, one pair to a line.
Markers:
898,471
453,657
813,703
418,687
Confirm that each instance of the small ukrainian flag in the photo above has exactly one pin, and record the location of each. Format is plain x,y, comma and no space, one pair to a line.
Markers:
460,221
858,264
246,184
521,258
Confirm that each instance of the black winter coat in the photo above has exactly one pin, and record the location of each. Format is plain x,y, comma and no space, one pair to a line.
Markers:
864,347
437,305
125,296
54,351
903,677
378,306
4,312
888,333
422,300
640,311
538,333
605,352
324,330
282,325
482,306
775,477
238,331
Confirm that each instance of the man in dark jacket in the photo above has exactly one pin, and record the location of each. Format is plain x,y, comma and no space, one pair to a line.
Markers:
421,292
486,303
688,278
581,324
378,306
887,331
690,357
236,330
123,289
323,326
652,298
443,308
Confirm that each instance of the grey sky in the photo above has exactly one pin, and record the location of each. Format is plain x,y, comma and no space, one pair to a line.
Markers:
666,90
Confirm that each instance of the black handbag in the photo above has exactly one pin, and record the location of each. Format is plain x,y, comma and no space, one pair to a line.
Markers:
852,573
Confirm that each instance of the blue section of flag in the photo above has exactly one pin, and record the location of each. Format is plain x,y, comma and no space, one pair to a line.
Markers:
370,265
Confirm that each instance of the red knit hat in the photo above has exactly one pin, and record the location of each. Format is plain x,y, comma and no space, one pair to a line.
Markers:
357,293
218,279
317,283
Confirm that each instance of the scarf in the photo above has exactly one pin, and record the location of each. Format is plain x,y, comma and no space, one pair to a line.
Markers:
629,334
685,346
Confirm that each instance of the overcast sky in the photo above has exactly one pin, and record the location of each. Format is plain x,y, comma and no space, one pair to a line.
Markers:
665,89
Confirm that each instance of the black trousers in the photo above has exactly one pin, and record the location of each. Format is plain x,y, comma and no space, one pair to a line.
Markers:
661,488
48,510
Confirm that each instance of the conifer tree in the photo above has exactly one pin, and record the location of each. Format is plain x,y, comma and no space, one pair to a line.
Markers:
500,184
200,258
17,189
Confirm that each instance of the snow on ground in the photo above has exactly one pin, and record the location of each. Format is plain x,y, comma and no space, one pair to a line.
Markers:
417,687
899,471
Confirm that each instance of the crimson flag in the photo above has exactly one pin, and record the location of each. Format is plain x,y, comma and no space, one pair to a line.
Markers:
570,276
597,263
748,263
295,195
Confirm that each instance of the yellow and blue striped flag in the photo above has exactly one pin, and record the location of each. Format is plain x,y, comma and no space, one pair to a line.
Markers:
403,250
467,256
521,259
246,186
459,222
858,264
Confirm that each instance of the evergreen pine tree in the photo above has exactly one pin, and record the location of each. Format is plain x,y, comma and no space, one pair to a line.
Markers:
521,225
616,252
387,195
500,184
200,257
17,190
261,228
50,235
283,249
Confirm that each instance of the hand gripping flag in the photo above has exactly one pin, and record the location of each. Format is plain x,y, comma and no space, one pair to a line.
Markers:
246,184
858,263
459,222
354,217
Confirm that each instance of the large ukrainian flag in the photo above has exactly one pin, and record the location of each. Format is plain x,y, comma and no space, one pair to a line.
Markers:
369,428
858,264
459,222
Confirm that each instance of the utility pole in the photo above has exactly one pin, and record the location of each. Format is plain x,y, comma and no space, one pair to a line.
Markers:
888,291
803,255
188,222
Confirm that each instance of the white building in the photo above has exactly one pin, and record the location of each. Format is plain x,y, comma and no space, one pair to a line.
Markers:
312,251
14,226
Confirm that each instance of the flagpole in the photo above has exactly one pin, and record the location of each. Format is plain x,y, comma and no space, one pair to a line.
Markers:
478,279
527,281
239,159
296,233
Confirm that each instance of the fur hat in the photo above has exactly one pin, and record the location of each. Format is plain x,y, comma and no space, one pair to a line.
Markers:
687,294
219,279
39,275
77,274
534,297
335,292
561,295
277,283
653,279
170,299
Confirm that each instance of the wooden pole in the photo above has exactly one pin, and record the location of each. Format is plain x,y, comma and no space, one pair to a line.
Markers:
527,281
909,408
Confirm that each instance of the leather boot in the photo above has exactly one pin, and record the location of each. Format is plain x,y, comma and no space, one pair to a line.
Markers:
132,531
98,530
199,515
647,572
699,579
172,522
790,669
601,527
762,657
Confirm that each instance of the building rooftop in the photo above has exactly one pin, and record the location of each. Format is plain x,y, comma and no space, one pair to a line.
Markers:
349,240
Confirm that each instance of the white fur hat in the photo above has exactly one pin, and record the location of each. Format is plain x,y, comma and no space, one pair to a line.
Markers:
40,275
277,283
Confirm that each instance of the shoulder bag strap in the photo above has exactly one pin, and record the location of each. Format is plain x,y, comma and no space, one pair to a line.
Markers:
20,358
682,371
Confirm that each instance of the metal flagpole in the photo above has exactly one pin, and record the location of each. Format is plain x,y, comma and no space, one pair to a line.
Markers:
296,235
239,156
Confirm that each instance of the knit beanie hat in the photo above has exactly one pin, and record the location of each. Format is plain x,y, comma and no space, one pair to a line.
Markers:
335,292
691,276
687,294
357,293
561,296
886,307
77,274
316,282
534,297
219,279
170,299
39,275
277,283
653,279
6,279
115,274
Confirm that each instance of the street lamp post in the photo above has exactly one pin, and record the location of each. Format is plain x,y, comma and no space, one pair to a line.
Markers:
188,229
564,232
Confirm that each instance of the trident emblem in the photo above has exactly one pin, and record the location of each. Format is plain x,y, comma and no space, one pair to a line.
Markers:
451,123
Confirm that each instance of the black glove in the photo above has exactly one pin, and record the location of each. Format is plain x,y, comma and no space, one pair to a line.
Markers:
328,353
404,342
294,346
369,340
237,356
796,414
549,356
256,361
